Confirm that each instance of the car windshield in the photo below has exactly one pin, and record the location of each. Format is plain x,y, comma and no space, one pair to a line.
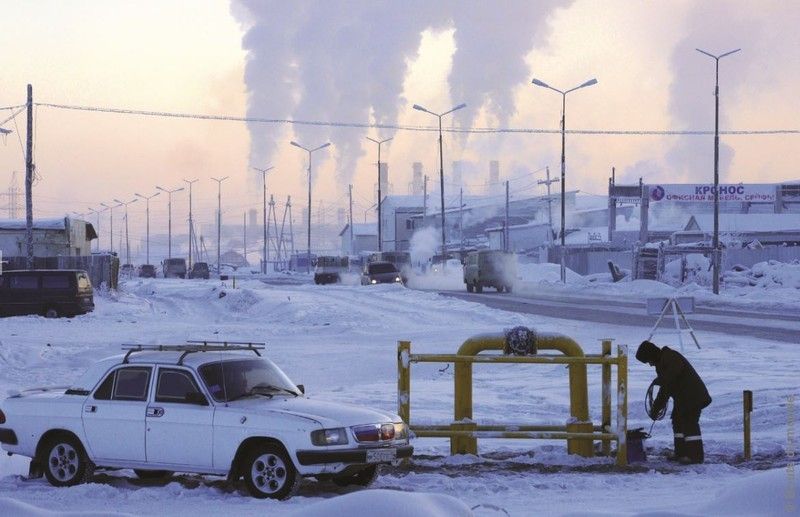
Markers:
231,380
201,265
382,268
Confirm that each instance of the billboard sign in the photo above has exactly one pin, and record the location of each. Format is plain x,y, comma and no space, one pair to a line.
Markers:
702,193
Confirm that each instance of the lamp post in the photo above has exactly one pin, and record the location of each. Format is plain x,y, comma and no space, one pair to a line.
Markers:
147,211
219,219
537,82
191,221
441,170
380,235
169,217
308,243
715,242
97,213
127,241
265,250
110,209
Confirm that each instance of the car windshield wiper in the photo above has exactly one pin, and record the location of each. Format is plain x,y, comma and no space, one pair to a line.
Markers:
271,387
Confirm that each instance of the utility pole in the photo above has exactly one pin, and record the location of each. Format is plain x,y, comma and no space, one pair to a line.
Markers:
507,233
191,221
265,248
424,198
547,182
461,217
350,189
219,219
110,209
127,241
29,167
147,211
244,236
308,236
380,215
169,210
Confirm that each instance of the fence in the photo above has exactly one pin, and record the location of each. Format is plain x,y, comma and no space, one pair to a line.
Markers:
590,261
102,269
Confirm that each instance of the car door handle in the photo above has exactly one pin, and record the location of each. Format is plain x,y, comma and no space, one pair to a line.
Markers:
155,411
90,409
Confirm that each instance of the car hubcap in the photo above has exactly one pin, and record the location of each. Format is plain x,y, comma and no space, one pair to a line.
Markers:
268,473
63,462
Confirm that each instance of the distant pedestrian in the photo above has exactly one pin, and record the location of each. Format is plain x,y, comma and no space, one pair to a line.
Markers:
679,380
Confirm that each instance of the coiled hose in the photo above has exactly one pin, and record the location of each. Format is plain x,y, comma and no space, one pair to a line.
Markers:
649,400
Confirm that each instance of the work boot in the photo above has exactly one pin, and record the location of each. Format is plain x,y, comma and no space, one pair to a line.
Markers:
693,449
678,451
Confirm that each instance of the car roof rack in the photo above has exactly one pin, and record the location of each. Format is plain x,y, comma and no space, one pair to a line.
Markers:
194,346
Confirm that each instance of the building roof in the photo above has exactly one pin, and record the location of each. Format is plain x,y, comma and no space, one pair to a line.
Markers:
745,222
38,224
369,229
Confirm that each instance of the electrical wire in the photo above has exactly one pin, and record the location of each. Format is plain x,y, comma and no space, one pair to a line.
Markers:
406,127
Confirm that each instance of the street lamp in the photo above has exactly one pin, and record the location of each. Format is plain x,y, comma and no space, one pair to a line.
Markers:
191,221
127,241
265,251
219,219
537,82
379,142
169,217
97,213
309,151
715,242
110,209
147,199
441,169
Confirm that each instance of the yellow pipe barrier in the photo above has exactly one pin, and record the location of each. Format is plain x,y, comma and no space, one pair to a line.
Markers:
404,380
579,393
622,406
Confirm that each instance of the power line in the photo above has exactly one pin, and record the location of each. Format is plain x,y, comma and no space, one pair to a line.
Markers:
399,127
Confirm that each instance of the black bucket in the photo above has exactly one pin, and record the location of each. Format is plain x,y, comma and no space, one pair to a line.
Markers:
635,440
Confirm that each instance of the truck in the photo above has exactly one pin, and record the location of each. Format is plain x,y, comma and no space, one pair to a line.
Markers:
490,268
329,269
174,268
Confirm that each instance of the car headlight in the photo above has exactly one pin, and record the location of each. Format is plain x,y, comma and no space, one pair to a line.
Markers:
374,281
336,436
397,279
400,431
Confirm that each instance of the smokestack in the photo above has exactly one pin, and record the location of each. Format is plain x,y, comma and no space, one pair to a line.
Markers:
416,182
253,222
494,171
341,216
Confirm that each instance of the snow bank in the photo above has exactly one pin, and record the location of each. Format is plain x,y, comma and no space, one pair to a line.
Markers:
773,492
766,275
9,506
387,502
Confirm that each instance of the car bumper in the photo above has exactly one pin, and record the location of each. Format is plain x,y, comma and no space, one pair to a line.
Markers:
349,456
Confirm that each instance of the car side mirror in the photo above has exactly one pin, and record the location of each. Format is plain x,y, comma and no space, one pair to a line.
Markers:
302,388
197,398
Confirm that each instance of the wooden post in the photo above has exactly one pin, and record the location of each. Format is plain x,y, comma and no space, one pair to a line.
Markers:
622,406
747,406
404,380
29,181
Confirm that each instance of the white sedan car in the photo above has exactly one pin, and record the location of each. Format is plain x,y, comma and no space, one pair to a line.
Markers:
208,409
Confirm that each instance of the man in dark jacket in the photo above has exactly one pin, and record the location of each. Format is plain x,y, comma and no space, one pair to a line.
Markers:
679,380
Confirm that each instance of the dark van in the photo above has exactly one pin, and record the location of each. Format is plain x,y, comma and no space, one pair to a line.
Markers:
48,292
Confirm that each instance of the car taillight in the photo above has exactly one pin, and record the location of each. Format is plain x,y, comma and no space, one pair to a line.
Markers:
2,417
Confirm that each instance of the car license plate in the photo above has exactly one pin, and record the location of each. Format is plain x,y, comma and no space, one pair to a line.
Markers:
381,455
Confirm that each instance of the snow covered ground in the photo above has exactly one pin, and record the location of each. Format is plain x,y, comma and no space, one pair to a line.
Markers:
340,341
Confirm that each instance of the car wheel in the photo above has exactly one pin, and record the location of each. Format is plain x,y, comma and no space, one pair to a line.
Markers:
269,473
470,288
152,474
499,288
364,477
478,287
65,462
51,312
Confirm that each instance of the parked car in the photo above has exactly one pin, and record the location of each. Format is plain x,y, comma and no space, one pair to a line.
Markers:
147,271
490,268
174,268
328,270
199,270
380,273
160,409
49,292
127,270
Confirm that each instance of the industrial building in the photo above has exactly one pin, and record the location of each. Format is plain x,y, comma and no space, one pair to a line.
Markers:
62,237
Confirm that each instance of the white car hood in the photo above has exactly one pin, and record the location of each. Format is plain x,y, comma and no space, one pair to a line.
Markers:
328,414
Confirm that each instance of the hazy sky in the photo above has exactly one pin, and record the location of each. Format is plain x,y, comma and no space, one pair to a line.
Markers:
366,61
